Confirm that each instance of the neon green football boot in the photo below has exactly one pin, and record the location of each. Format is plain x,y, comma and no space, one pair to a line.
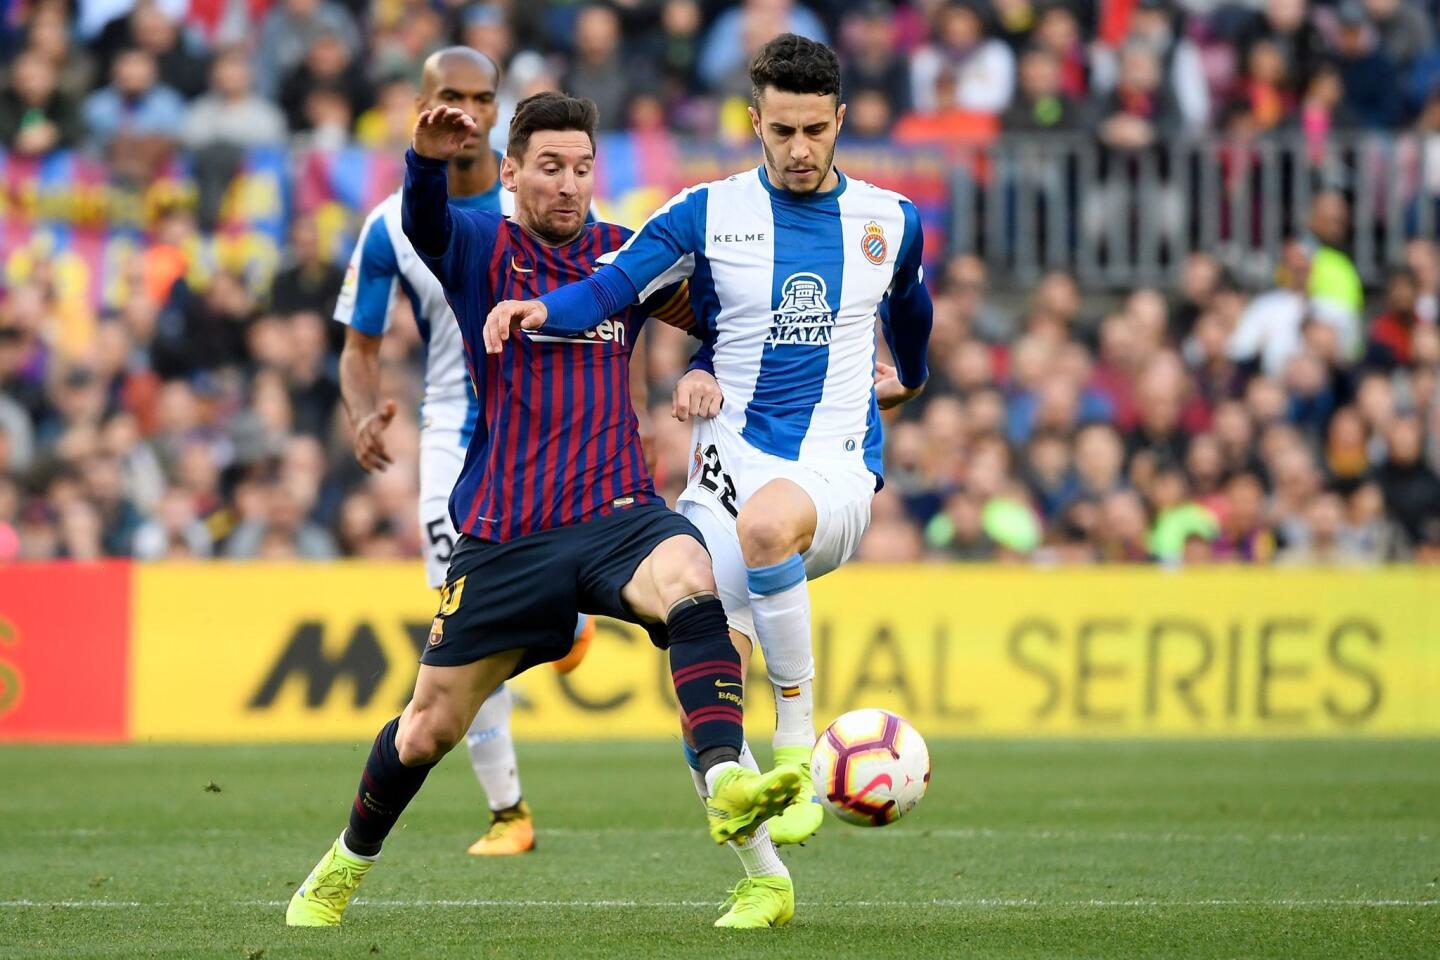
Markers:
759,902
802,818
322,898
743,799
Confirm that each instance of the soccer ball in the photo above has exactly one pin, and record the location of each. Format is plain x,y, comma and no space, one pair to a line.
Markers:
870,767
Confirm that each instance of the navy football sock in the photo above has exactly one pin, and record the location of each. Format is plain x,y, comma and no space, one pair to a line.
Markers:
708,681
386,787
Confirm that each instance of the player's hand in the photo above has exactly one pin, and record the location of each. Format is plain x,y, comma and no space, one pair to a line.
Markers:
696,395
441,132
370,450
509,316
889,391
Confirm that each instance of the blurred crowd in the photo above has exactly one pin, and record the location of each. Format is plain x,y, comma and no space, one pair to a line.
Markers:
198,416
1201,424
134,79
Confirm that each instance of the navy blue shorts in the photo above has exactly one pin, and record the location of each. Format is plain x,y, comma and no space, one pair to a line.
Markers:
525,593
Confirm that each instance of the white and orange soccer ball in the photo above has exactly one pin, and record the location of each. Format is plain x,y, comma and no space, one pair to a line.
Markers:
870,767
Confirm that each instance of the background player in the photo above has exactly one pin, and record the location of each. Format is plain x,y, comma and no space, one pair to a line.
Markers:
384,258
556,508
790,264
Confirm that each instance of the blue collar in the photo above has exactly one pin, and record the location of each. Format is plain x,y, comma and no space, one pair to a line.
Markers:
813,197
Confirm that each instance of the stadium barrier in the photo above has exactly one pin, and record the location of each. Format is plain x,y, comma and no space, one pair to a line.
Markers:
1029,203
219,652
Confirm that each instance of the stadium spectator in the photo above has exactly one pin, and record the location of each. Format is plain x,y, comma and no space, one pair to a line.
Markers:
965,68
179,60
1405,31
48,33
273,526
1287,24
1041,103
732,37
136,111
1153,25
1141,109
1391,337
308,281
597,66
1410,488
1269,331
36,116
330,65
673,52
1058,31
873,63
1336,292
232,114
1367,70
1262,101
288,32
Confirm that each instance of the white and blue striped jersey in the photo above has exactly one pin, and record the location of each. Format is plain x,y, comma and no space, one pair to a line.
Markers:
787,288
383,261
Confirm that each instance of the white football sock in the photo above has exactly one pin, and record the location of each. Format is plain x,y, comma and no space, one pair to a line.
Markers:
757,854
780,604
368,858
492,751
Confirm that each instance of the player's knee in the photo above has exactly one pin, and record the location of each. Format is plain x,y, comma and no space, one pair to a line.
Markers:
690,575
426,739
765,537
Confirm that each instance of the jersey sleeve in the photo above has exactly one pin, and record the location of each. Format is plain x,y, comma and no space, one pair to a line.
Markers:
662,252
455,244
908,313
364,301
669,304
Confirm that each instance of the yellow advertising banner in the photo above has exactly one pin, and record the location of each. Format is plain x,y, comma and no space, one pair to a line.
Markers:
328,652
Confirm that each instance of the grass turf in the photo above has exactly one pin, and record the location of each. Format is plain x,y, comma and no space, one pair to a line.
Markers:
1022,849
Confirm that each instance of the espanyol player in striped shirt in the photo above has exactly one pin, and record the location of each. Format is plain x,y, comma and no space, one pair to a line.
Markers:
556,509
789,265
384,260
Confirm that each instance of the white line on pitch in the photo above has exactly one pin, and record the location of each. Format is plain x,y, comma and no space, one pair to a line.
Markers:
918,833
951,903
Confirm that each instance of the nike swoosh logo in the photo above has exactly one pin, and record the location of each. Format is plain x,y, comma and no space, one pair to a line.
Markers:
881,780
519,269
722,683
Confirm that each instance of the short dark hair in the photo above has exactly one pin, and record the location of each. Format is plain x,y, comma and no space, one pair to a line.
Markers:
794,64
550,111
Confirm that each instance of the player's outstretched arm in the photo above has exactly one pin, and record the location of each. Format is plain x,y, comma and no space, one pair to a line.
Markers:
425,202
507,316
360,393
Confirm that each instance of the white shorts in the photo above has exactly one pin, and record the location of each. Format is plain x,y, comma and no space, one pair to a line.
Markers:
441,458
726,471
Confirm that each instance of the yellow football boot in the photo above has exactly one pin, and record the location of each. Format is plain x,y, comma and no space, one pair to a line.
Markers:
511,831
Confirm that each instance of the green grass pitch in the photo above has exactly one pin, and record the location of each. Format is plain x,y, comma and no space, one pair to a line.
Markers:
1022,849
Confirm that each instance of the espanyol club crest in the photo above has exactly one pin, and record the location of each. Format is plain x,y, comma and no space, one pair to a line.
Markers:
873,244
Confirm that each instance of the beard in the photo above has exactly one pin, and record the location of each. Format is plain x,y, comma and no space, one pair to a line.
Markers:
551,233
823,169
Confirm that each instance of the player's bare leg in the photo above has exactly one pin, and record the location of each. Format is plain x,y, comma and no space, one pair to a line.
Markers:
674,585
775,527
442,708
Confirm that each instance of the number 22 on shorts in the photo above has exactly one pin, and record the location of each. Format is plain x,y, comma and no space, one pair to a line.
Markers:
714,478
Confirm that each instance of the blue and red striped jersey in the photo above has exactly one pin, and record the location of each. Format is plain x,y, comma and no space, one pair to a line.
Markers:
557,441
